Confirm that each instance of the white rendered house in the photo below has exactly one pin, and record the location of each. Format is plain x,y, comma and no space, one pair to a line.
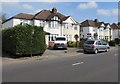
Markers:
54,23
115,31
89,28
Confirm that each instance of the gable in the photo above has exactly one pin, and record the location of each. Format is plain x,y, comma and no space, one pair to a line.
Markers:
70,20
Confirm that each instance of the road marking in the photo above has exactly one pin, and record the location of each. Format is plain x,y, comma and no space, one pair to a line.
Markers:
77,63
115,54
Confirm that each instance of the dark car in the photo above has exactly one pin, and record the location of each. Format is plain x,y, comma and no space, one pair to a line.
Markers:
95,46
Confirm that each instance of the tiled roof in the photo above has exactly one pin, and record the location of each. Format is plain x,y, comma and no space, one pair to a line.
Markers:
47,15
115,26
91,23
42,15
87,23
24,16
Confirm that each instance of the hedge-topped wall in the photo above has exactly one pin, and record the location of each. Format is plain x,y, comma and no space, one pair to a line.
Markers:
24,40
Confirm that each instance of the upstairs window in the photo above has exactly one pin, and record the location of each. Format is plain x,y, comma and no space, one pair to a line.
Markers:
75,28
81,29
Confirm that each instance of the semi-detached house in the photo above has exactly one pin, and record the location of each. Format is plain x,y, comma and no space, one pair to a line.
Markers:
115,30
54,23
94,29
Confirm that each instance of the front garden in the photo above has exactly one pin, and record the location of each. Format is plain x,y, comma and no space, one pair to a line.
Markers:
23,40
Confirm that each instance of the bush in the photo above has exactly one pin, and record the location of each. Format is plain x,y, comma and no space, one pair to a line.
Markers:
117,40
105,40
72,44
112,43
19,40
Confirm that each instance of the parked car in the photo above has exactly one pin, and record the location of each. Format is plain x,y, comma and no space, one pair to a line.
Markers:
59,42
95,46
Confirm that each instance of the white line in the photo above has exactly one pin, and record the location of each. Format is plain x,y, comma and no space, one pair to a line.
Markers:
77,63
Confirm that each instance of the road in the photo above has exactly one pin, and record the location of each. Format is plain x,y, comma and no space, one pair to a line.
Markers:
101,67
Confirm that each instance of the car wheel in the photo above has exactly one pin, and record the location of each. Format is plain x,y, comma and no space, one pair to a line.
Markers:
107,50
85,52
65,48
96,51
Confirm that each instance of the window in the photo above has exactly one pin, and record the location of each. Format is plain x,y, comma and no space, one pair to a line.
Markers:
66,25
98,43
49,24
93,29
75,28
53,24
41,23
89,42
60,39
81,29
24,21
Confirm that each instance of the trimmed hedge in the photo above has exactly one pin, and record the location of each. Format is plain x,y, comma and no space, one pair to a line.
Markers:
21,40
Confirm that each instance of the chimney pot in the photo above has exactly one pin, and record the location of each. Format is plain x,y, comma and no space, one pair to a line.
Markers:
54,10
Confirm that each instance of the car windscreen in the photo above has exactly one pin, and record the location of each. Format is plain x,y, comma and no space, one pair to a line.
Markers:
89,42
60,39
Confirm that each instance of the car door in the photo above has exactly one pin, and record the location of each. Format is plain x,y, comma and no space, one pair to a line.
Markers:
104,45
99,46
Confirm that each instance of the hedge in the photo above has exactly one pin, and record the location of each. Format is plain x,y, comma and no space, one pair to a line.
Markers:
24,40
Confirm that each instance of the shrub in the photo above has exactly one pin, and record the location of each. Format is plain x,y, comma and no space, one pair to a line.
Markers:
117,40
19,40
112,43
71,43
105,40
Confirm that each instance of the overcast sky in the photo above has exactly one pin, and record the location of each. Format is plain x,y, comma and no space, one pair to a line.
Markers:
80,11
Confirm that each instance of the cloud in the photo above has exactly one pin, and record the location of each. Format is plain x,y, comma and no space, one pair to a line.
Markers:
88,5
107,12
27,6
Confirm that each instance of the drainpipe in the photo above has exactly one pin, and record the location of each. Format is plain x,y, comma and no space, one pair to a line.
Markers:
61,30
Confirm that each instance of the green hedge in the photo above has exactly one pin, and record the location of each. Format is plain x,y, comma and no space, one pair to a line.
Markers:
21,40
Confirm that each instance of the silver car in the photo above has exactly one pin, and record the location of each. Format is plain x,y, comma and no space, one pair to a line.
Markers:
95,46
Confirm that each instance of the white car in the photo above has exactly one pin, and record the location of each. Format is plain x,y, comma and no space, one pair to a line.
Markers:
60,42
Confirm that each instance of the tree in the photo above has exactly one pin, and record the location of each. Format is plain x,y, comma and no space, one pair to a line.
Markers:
3,17
95,35
76,38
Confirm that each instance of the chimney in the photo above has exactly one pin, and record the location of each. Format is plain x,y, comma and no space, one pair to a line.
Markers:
96,20
54,10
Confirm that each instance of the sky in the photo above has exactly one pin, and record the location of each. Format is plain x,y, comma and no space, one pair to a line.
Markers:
80,11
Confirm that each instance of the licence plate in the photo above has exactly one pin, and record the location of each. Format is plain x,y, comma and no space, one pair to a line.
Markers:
59,47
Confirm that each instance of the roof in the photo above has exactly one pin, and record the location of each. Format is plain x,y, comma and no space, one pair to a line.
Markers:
115,26
42,15
91,23
47,15
23,16
87,23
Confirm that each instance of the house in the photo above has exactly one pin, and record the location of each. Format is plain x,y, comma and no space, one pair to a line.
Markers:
115,30
94,29
54,23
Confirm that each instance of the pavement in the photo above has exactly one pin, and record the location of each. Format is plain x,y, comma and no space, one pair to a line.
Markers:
48,55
